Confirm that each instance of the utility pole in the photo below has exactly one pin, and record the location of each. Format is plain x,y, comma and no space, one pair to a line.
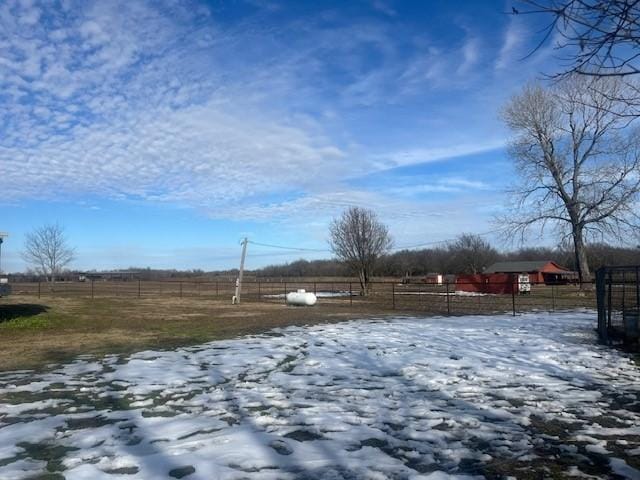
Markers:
2,237
236,298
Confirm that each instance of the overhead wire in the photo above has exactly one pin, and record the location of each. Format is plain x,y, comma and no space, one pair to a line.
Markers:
426,244
395,249
283,247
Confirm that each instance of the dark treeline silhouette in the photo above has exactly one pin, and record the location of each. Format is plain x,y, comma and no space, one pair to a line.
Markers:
468,254
456,258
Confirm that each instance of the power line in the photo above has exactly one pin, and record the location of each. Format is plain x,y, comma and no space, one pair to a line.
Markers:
403,247
409,247
282,247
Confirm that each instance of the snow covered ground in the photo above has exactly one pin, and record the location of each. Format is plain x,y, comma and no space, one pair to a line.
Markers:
405,398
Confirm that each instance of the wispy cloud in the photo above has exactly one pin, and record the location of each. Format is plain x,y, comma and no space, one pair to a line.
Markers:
166,103
470,55
514,36
402,158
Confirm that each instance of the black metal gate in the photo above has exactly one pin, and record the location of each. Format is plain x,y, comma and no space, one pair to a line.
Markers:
618,294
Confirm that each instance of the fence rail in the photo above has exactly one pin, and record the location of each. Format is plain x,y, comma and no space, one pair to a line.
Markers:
446,298
618,295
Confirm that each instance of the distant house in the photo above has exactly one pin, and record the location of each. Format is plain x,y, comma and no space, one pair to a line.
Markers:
539,271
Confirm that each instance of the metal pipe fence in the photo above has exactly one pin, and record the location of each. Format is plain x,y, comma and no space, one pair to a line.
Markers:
458,298
618,295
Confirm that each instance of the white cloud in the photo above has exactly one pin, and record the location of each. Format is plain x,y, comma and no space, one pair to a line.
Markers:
514,37
127,100
470,55
403,158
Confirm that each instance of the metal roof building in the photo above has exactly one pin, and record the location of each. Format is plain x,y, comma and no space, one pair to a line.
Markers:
540,271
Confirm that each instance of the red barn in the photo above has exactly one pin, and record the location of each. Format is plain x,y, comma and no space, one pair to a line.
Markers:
509,277
539,271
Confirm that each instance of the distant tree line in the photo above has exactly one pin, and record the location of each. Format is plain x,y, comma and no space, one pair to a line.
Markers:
468,254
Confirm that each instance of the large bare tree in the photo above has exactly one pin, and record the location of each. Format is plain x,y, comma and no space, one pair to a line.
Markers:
47,249
578,162
359,239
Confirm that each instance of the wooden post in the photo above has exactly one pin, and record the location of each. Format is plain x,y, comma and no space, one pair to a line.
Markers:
350,294
92,288
285,292
181,289
259,290
241,271
138,288
216,288
315,292
553,297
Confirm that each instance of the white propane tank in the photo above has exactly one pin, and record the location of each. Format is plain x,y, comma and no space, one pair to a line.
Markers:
302,298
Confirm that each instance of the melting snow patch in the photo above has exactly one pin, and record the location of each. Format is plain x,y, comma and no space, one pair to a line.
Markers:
410,398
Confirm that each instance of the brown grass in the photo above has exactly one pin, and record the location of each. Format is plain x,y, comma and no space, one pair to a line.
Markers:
34,332
67,322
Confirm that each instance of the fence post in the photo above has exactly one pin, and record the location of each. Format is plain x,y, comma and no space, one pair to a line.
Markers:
180,289
600,299
638,289
92,288
448,300
138,288
610,283
393,295
350,294
259,291
285,292
553,297
513,296
315,288
216,288
38,288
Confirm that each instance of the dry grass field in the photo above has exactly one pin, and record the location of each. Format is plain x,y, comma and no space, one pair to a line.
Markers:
35,331
39,325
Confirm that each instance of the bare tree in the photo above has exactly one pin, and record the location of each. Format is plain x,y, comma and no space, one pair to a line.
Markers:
470,253
599,38
359,239
47,249
578,162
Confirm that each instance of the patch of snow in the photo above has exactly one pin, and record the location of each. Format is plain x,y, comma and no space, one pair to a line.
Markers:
421,398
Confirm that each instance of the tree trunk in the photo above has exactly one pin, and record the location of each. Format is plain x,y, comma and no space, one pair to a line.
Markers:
364,282
580,250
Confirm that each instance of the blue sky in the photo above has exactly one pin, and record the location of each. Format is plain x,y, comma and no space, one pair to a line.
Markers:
161,133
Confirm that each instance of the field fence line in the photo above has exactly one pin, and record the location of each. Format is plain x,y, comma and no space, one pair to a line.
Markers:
446,298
